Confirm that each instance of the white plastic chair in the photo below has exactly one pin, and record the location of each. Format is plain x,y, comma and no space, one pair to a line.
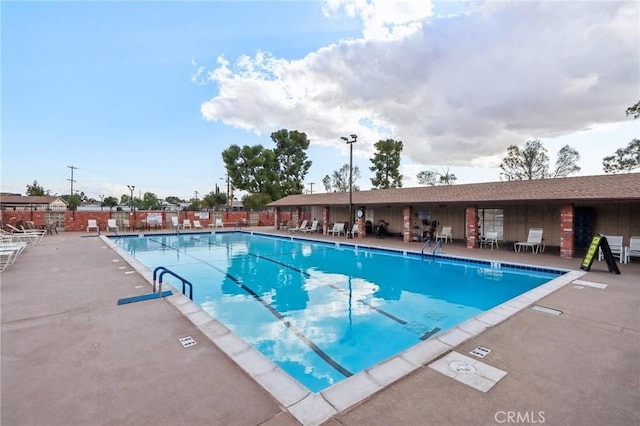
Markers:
617,249
445,234
112,225
92,224
197,224
490,240
338,229
633,250
186,223
534,241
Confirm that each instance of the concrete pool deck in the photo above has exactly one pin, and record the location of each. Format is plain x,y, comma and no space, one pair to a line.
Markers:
70,355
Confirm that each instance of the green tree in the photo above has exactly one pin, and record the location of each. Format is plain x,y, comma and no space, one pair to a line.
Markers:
275,172
255,201
433,177
326,182
566,162
634,110
150,201
73,200
386,164
171,199
339,179
291,158
110,202
625,160
213,200
532,162
35,189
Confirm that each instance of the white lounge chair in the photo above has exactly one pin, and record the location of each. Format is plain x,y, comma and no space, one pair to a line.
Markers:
338,229
445,234
92,224
617,249
218,224
353,231
112,225
186,223
197,224
302,226
312,228
175,223
490,240
633,250
534,241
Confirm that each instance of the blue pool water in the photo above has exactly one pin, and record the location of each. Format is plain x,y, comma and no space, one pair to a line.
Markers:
321,311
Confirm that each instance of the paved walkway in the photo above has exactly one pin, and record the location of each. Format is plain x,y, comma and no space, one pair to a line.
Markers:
71,356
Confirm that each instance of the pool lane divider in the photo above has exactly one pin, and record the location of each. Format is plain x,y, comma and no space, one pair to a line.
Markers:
299,334
306,274
428,334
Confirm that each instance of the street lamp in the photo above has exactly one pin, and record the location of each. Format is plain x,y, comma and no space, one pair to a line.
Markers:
131,188
353,140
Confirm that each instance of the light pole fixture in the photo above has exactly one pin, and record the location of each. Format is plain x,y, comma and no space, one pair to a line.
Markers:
354,139
131,188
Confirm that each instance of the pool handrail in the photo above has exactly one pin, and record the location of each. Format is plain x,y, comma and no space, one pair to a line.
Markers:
170,272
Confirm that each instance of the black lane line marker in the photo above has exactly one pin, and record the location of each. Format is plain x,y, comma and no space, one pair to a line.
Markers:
287,324
428,334
306,274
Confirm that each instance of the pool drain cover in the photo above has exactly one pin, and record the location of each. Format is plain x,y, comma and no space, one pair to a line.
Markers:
187,341
462,367
480,351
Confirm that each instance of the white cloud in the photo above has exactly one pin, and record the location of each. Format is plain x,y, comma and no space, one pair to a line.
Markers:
457,91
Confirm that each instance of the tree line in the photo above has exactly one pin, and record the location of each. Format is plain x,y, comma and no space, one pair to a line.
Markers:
268,174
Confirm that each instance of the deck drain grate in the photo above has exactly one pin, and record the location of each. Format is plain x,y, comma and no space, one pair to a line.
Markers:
187,341
546,310
480,351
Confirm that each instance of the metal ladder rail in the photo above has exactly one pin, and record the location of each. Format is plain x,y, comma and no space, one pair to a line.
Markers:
428,243
165,270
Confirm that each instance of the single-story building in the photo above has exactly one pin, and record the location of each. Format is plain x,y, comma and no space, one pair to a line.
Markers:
570,210
32,202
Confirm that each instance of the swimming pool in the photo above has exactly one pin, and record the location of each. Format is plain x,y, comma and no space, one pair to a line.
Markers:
323,311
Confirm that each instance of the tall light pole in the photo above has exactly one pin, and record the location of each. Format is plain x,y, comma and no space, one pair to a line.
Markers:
353,140
131,188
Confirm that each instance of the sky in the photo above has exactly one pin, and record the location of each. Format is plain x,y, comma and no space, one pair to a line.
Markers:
149,94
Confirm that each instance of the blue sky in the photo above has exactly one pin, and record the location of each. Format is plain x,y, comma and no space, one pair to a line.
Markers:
149,94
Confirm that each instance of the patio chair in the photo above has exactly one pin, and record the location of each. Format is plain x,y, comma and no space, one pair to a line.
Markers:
615,244
445,234
219,223
92,224
175,223
490,240
186,223
338,229
633,250
112,225
312,228
197,224
354,230
534,241
302,226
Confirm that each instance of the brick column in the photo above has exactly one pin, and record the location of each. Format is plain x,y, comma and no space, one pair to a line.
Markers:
361,227
566,231
325,220
298,217
406,223
276,218
472,227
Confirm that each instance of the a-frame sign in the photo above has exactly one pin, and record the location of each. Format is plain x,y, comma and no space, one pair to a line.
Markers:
600,241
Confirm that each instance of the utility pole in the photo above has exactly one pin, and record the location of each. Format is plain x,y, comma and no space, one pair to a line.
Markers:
71,180
196,192
311,185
